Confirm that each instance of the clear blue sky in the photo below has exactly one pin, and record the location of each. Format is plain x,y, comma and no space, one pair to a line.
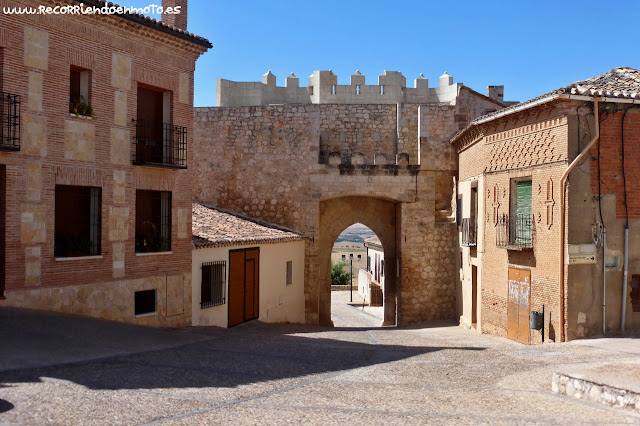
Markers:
530,47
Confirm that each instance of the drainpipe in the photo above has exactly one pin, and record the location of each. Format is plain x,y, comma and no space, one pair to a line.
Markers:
625,275
563,189
604,277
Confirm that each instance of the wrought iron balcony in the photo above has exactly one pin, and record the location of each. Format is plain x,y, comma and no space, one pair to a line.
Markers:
10,122
160,144
515,232
469,232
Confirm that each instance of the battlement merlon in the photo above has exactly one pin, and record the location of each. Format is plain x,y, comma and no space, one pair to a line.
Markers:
324,89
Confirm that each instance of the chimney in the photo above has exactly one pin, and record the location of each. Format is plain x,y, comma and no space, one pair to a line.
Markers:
496,93
178,20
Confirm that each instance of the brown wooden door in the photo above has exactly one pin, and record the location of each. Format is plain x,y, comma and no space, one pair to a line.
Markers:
519,305
244,285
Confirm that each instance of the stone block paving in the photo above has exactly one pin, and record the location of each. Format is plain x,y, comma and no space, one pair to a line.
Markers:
58,369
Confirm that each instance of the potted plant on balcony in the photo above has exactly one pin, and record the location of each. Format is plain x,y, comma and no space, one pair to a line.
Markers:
80,107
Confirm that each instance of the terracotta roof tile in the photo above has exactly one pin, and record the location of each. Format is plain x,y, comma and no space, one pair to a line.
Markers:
152,23
213,227
621,82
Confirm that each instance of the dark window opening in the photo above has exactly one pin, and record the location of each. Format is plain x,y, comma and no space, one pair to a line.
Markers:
359,257
382,268
3,206
79,96
145,302
635,292
213,283
289,272
153,221
369,263
344,257
78,221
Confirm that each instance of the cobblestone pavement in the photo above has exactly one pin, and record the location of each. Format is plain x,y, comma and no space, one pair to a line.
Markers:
356,373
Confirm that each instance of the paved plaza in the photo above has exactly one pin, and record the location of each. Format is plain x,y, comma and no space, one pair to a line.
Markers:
57,369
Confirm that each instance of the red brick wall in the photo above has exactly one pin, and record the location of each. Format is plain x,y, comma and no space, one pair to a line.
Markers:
611,160
89,41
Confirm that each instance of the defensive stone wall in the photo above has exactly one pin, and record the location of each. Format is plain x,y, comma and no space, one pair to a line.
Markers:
324,89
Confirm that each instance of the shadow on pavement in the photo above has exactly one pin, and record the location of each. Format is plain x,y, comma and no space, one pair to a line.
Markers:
246,354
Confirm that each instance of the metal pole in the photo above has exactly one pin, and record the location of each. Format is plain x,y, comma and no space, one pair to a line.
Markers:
542,323
604,280
351,278
625,276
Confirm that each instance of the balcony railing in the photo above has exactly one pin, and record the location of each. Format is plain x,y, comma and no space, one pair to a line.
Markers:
9,122
160,144
469,232
515,232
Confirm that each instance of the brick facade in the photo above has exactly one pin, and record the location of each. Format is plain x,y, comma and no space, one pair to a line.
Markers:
59,148
538,143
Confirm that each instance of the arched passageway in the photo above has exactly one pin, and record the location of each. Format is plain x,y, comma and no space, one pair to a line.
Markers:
382,217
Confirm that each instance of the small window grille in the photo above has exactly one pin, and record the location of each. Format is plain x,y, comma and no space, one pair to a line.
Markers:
213,282
145,302
289,272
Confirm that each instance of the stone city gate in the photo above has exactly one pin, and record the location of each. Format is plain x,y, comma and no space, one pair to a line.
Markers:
319,167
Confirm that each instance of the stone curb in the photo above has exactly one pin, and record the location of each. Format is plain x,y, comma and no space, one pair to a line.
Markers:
579,388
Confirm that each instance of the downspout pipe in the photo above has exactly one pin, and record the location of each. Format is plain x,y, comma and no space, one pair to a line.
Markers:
563,195
625,276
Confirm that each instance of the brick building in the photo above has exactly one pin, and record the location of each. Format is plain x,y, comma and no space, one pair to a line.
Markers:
95,162
543,207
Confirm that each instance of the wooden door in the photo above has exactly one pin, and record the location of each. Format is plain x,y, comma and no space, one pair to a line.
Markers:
474,295
519,305
244,285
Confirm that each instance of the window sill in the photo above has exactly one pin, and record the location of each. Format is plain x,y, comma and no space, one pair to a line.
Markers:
154,253
84,117
148,314
71,258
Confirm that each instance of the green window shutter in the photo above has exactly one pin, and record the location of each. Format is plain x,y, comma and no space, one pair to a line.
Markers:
523,203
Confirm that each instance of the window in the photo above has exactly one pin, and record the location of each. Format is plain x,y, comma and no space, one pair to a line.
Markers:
382,268
344,257
158,142
369,263
289,272
153,221
145,302
79,96
77,221
359,257
515,230
213,282
459,210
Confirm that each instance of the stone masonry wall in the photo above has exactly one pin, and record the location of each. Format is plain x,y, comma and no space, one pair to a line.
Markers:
264,162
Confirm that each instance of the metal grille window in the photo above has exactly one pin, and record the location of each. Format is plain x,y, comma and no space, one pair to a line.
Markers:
469,232
145,302
515,232
153,221
213,283
10,122
160,144
78,221
289,272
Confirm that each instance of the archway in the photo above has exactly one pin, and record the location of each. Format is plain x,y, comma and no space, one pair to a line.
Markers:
357,278
380,215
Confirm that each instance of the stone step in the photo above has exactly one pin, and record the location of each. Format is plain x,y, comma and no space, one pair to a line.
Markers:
613,385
